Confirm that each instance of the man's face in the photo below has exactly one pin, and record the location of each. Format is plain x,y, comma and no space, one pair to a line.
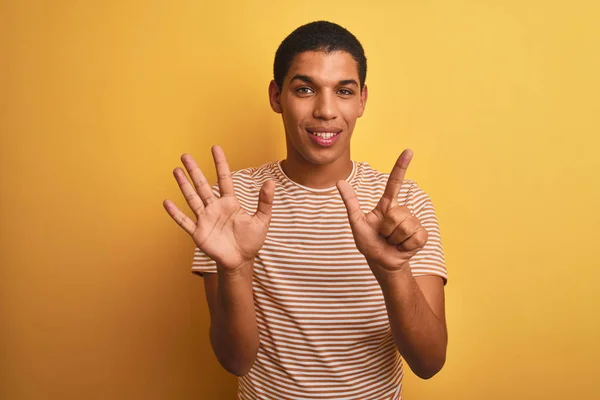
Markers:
320,101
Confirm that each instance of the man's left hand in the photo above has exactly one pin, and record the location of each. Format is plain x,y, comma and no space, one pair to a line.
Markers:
389,235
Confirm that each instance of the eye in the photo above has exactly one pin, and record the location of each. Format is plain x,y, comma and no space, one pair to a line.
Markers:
304,90
345,92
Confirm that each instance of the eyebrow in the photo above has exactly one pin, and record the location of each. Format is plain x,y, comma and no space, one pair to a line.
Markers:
307,79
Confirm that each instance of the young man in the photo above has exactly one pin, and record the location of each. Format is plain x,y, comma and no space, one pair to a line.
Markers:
321,273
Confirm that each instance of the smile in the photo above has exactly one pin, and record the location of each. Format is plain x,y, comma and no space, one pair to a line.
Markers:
324,135
324,139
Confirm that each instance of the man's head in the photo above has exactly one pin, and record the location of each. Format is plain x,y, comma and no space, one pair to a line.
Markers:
319,89
318,36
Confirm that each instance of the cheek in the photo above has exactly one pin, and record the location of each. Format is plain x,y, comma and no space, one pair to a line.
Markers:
351,112
294,113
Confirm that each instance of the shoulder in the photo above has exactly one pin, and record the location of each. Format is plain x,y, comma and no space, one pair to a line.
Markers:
373,181
248,181
253,176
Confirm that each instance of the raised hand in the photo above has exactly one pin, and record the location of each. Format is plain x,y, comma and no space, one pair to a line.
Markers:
223,230
389,235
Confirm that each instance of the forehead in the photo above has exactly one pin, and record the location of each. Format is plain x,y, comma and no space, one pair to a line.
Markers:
324,67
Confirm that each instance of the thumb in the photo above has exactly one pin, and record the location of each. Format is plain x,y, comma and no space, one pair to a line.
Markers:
265,202
350,201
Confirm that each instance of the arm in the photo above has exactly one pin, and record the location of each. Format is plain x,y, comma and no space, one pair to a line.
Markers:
415,307
233,330
388,237
231,237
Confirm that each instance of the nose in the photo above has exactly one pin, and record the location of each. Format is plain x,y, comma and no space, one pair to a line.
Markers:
325,107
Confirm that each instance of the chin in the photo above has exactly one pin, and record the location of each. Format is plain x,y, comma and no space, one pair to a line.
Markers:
322,157
317,155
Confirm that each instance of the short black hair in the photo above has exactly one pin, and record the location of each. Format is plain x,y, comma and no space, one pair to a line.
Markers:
318,36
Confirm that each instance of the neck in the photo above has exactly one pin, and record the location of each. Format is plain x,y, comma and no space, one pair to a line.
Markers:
316,176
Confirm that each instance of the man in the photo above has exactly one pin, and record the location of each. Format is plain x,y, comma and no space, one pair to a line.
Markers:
321,273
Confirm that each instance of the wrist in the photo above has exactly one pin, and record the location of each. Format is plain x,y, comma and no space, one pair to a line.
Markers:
391,277
235,287
242,271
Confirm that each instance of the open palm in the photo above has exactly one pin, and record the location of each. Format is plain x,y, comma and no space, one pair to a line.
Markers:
223,230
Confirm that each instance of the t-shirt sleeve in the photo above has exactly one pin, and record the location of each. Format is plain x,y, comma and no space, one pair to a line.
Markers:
201,263
430,259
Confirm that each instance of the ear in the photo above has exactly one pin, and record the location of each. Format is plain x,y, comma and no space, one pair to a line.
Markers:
274,96
364,94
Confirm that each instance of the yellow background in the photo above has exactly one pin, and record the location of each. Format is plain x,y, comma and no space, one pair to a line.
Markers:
98,99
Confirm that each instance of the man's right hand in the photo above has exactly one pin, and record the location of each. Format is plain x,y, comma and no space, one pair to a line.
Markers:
223,230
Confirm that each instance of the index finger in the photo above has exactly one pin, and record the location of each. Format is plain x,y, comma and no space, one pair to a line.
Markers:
394,183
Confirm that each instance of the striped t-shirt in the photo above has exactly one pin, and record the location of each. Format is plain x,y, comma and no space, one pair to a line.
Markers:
323,326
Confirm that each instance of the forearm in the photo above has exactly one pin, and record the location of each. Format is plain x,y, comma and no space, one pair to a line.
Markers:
420,335
233,330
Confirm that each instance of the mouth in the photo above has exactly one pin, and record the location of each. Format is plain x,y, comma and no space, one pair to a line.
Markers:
324,138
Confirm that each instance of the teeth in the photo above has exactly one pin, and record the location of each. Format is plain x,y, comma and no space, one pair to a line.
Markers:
324,135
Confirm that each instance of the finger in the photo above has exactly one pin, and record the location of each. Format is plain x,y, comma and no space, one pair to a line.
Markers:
265,202
192,198
402,232
392,219
187,224
200,183
392,189
223,171
415,242
350,201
